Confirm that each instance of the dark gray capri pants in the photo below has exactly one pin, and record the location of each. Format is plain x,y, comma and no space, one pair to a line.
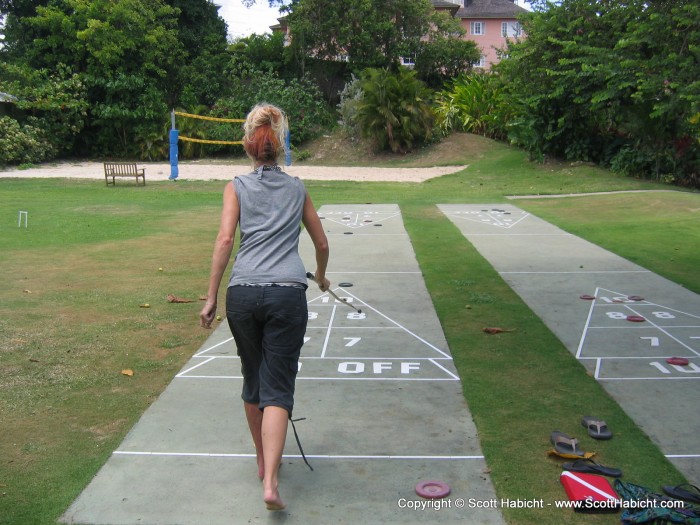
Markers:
268,324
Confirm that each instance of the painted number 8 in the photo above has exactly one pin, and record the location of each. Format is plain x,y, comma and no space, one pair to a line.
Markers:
616,315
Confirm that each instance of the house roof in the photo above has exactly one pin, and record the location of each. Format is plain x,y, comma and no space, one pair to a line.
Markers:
443,5
490,9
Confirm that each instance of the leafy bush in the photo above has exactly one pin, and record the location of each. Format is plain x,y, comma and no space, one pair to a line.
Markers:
350,98
51,109
395,110
301,100
442,59
23,144
474,104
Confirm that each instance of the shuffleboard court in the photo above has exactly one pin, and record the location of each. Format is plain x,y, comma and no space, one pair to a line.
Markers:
382,402
620,320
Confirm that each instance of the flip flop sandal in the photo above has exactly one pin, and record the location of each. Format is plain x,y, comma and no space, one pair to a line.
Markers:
565,445
591,467
686,491
597,428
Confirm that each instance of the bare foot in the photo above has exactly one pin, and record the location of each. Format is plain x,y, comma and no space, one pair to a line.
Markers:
272,499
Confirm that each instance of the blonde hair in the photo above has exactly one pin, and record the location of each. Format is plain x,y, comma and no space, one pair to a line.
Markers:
265,131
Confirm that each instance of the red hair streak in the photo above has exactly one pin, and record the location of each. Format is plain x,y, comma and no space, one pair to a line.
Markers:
263,145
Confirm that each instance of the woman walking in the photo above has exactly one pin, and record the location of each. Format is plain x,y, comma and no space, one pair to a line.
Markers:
266,301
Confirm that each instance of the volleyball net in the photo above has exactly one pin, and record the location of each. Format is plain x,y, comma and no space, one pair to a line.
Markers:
175,137
212,119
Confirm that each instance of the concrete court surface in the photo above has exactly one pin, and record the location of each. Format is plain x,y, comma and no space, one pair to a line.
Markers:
383,405
632,321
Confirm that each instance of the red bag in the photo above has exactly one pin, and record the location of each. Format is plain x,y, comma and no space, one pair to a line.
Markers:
589,493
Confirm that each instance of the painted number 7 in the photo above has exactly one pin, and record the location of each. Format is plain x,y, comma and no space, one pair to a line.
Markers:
352,341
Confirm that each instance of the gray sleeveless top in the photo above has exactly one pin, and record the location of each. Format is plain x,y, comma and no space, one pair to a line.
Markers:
271,205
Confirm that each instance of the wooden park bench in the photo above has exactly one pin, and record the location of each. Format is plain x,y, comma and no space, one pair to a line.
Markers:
123,169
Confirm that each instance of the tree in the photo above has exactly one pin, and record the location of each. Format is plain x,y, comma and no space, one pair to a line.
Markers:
202,35
136,58
443,53
612,82
262,53
125,52
366,33
442,59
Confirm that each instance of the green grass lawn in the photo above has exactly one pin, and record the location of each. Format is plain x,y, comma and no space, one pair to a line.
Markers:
74,281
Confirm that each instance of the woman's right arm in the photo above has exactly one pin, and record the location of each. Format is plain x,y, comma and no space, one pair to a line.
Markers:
223,247
318,236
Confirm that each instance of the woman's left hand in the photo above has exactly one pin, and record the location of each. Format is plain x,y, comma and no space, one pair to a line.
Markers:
206,316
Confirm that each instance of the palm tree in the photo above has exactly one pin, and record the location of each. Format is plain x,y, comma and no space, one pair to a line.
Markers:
395,109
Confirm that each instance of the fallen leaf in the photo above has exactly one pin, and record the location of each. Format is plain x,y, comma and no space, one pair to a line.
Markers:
33,360
174,299
28,291
128,372
144,305
496,330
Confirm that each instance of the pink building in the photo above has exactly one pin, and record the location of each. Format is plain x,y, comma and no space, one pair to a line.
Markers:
489,23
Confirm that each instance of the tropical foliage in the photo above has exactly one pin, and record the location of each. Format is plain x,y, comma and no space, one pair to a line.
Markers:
395,110
616,83
473,104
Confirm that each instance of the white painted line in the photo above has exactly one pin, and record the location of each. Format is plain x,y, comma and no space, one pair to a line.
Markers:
351,327
658,327
637,326
670,309
597,368
209,377
582,273
382,378
359,221
181,374
399,325
363,358
503,234
681,456
299,378
213,357
646,378
328,332
604,357
369,234
212,347
586,326
443,368
297,456
373,273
